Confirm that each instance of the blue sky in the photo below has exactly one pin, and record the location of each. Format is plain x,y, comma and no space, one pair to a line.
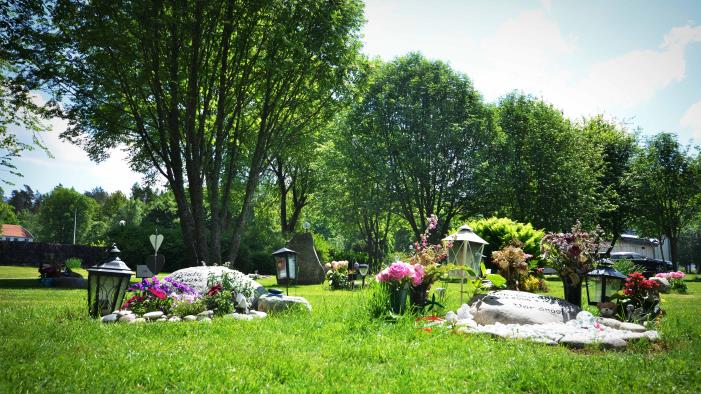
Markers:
637,62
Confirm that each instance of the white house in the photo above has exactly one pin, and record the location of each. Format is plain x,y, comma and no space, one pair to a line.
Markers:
15,232
648,247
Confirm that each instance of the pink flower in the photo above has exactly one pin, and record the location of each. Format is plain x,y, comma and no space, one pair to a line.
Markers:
396,272
418,276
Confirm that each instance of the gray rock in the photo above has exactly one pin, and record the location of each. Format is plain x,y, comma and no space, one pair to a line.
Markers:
270,303
664,284
197,278
127,318
162,318
614,343
238,316
190,318
653,336
138,320
111,318
152,315
174,319
257,314
518,307
613,323
575,340
204,319
631,336
206,313
632,327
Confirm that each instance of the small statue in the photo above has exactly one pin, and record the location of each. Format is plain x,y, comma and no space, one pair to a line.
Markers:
607,309
242,303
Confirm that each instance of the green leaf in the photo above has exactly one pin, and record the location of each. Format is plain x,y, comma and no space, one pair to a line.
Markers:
497,280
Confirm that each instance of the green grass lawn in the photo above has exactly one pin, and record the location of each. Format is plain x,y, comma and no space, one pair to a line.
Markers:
49,344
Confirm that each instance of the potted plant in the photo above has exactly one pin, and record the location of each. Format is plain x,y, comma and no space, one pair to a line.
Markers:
397,278
571,255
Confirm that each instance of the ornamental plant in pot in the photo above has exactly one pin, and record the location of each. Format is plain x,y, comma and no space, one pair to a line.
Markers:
571,255
427,261
396,279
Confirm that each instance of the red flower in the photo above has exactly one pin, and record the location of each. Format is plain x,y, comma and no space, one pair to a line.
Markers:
214,290
158,293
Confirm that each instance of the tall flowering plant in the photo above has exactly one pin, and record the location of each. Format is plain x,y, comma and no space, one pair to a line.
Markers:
571,255
337,273
429,257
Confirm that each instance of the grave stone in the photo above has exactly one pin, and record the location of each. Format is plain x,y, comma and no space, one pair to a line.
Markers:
309,268
518,307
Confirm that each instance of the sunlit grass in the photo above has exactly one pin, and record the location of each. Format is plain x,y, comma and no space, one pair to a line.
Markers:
49,344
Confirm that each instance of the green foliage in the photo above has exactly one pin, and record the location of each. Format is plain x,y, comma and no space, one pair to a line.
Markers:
60,210
499,232
185,308
7,214
626,266
221,302
545,171
497,280
667,188
419,137
73,263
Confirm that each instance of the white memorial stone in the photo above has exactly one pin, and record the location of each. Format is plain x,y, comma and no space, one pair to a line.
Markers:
518,307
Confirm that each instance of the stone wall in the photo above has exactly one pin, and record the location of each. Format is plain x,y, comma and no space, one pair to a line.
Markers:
36,253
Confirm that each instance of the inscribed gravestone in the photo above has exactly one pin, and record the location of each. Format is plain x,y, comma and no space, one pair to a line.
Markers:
309,270
519,307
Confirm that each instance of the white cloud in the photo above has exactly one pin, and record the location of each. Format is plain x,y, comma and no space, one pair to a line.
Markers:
523,54
635,77
691,122
71,166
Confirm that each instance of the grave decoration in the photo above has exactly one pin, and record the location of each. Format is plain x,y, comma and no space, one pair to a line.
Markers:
571,255
200,294
107,284
338,275
286,265
521,315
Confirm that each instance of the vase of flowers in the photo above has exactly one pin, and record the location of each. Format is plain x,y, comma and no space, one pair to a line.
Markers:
571,255
397,278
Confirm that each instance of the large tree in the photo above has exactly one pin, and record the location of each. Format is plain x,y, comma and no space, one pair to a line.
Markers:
617,149
668,189
201,92
546,171
20,106
65,212
426,131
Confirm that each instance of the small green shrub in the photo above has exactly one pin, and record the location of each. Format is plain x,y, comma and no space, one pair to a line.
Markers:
73,263
186,308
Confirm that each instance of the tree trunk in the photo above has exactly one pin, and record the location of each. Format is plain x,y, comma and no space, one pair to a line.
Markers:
674,252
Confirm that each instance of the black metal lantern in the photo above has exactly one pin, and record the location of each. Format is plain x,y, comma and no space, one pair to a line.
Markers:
286,264
107,284
363,270
603,282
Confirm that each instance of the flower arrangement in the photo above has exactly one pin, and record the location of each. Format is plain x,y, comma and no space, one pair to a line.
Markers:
337,273
676,280
640,297
400,274
512,264
155,295
571,254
